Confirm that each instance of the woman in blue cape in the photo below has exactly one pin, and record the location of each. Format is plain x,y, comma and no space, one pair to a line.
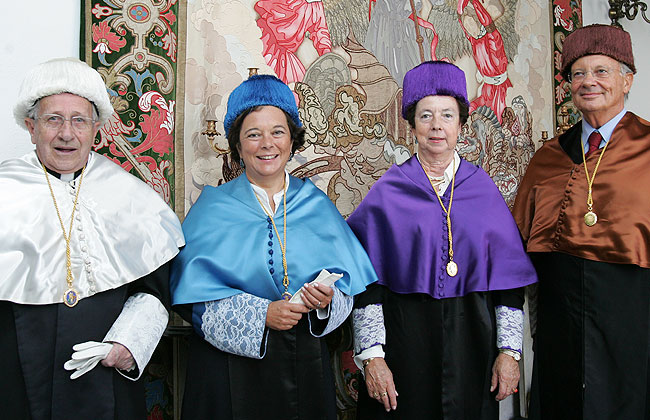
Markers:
440,334
252,246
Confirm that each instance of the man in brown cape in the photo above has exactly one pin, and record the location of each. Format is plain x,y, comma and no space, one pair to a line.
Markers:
583,209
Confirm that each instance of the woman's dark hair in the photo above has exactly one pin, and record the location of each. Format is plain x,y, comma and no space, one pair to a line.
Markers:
297,133
463,113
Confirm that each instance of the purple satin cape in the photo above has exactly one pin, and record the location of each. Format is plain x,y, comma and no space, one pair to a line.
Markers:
403,228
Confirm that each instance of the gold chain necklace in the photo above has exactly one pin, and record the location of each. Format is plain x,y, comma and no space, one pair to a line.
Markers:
590,216
70,296
452,267
283,247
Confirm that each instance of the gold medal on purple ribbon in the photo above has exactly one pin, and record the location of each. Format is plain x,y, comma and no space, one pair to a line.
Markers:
286,296
70,297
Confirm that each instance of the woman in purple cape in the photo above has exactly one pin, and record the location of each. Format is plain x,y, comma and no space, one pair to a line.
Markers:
441,331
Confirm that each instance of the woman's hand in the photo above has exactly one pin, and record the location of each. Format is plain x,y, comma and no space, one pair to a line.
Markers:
505,374
282,315
379,381
317,296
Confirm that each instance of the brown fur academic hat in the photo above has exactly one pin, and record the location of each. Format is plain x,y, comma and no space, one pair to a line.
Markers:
597,39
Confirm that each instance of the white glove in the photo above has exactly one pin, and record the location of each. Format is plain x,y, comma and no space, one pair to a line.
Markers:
86,356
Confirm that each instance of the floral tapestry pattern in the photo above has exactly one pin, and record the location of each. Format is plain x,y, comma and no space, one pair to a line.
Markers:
567,17
133,44
345,61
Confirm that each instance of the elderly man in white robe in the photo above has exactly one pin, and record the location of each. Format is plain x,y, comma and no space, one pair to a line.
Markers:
84,251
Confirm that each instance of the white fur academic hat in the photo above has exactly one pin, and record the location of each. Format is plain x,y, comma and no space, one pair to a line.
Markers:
63,75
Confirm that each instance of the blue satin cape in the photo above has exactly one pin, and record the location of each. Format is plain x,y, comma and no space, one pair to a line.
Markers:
229,243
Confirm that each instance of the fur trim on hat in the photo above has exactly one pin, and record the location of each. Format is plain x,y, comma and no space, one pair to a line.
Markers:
62,75
262,89
433,78
597,39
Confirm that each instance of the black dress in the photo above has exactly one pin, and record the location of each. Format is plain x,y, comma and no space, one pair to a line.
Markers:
292,382
440,352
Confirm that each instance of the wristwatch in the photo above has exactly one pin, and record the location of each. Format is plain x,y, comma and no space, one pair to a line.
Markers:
366,361
512,353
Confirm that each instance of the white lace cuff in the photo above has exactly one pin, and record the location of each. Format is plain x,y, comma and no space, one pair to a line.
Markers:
339,309
139,328
236,324
368,325
510,328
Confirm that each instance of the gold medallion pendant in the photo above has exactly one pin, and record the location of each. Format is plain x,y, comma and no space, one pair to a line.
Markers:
452,268
70,298
590,218
286,296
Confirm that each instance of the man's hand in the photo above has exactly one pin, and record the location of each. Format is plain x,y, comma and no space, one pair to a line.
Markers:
119,357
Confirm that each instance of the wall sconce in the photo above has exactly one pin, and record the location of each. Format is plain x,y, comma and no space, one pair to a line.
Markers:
544,138
211,132
619,9
563,120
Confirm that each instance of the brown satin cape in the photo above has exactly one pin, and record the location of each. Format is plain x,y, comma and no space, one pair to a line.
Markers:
552,197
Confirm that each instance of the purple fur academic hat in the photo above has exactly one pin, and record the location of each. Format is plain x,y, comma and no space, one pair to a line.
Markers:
433,78
259,90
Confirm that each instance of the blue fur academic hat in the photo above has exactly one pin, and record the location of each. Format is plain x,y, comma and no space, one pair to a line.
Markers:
433,78
259,90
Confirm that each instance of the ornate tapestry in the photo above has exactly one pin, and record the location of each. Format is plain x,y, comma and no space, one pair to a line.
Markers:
345,61
567,17
133,44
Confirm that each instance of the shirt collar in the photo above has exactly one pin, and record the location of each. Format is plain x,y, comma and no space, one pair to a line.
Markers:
605,130
65,177
277,197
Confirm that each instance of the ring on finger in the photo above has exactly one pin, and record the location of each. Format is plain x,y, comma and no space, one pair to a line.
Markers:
318,304
376,395
383,394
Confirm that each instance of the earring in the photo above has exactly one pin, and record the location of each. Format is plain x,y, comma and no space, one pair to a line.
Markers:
290,157
241,163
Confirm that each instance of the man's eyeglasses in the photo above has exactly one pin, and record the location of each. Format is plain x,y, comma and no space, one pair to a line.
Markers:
578,76
56,121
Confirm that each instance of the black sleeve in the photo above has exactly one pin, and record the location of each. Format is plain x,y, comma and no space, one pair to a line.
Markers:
155,283
513,298
185,311
374,294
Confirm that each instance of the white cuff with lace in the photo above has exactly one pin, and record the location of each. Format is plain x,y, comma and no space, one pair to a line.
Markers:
369,333
510,328
337,312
